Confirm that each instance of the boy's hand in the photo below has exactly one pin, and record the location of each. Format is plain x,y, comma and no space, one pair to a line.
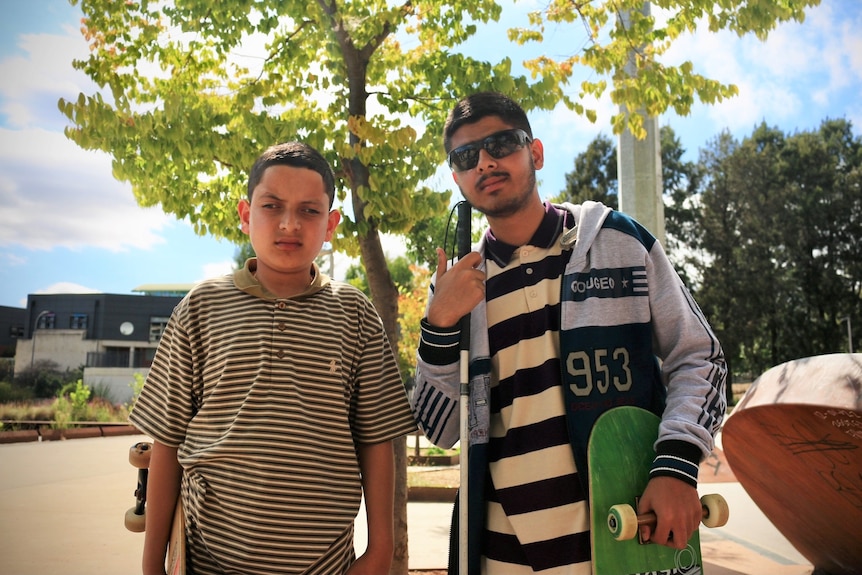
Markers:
457,291
677,508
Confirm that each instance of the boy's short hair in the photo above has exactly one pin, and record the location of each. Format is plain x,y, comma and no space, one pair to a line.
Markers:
473,108
297,154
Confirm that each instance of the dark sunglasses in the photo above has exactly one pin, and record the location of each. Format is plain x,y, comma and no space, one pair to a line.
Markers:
498,145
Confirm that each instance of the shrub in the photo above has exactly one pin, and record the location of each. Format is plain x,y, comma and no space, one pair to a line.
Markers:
44,378
11,393
72,404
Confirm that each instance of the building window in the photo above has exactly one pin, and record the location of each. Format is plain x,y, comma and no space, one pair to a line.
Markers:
78,321
157,328
16,331
46,321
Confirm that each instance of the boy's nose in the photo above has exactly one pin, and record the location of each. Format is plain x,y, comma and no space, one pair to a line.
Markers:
486,160
290,222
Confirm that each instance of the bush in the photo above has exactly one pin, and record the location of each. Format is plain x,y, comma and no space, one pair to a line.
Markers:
25,411
137,386
102,392
7,369
44,378
74,404
11,393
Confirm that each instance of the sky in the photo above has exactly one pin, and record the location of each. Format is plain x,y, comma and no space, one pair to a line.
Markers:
67,226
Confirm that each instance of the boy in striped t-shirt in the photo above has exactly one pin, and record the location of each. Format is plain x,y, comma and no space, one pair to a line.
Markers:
573,310
273,399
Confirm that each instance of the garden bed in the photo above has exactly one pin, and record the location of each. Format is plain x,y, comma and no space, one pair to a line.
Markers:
21,431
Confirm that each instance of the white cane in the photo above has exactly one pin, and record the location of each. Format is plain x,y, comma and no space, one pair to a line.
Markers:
463,240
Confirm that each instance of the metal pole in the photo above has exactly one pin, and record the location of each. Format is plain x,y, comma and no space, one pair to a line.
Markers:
639,161
463,241
33,336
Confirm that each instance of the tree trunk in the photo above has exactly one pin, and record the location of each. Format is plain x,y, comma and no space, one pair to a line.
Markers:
384,295
400,559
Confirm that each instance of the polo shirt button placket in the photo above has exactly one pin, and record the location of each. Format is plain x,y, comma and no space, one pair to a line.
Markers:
281,326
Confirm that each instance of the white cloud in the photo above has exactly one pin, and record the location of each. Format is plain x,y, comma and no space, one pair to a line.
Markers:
218,269
54,194
800,69
66,288
33,83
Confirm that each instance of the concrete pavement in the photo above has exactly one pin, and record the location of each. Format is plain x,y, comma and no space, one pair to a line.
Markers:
62,505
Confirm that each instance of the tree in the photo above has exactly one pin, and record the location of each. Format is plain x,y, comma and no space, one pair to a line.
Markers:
595,175
612,41
411,303
185,111
400,267
595,178
767,232
681,181
780,225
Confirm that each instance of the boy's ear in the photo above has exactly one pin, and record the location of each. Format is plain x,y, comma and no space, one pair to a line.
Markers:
332,223
244,210
537,149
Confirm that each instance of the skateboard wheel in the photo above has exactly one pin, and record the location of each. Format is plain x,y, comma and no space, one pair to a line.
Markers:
622,522
715,510
134,522
139,454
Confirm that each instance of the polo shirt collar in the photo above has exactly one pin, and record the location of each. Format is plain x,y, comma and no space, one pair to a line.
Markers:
244,280
544,237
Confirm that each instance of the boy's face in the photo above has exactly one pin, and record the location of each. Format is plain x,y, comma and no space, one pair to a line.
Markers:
497,187
288,219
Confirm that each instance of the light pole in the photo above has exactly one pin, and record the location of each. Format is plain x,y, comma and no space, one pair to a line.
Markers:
849,333
33,335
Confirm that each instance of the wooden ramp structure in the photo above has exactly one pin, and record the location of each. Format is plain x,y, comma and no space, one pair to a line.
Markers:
794,442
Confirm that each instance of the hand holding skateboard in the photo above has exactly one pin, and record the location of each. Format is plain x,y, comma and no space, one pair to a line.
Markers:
623,521
620,454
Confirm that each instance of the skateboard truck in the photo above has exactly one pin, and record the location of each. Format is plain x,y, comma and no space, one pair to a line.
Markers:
623,521
139,457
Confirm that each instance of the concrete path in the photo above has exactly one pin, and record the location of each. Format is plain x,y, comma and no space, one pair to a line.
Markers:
62,505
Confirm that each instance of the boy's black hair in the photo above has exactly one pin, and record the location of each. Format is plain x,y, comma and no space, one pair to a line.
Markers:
295,154
480,105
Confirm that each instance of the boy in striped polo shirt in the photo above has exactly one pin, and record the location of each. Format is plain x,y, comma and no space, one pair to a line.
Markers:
273,399
573,310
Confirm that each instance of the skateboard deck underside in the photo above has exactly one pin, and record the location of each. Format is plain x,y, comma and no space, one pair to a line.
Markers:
620,454
802,466
794,442
176,561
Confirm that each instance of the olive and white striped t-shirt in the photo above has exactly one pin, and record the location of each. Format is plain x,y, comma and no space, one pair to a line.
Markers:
266,399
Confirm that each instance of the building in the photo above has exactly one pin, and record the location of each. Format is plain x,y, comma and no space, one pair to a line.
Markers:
112,336
12,321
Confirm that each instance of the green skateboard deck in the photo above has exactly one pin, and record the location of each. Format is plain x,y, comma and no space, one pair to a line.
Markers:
620,454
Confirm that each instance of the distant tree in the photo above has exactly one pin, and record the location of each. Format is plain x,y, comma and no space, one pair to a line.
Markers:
595,178
780,225
242,252
400,267
681,181
411,303
767,232
44,379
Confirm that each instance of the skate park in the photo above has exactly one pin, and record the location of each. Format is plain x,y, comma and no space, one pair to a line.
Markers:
62,504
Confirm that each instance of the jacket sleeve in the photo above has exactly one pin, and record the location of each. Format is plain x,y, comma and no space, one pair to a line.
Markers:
693,368
436,395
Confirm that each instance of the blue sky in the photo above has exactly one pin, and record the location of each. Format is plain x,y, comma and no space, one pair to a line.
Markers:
67,226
